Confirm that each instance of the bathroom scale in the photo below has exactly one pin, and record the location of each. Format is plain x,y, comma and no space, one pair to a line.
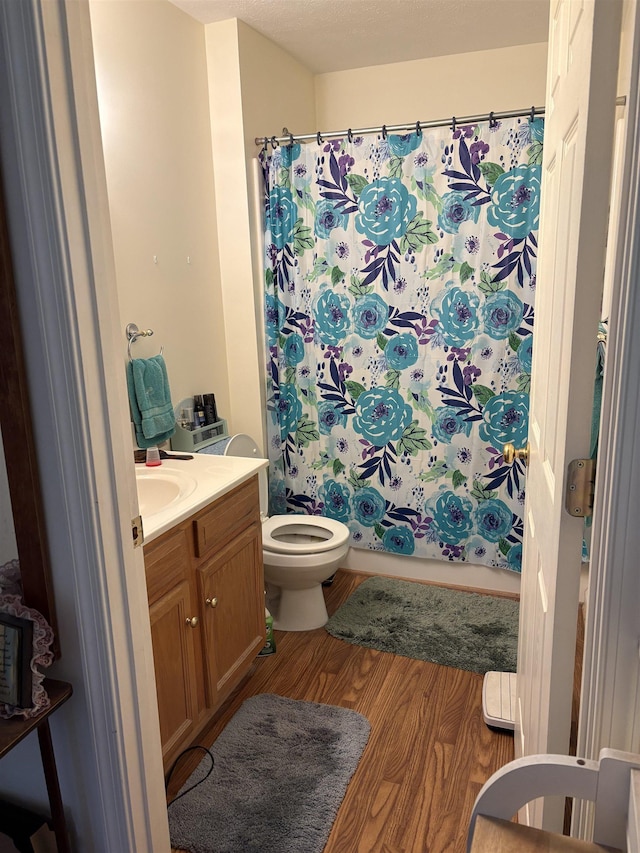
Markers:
499,700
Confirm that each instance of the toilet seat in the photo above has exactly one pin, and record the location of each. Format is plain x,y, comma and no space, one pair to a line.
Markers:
329,532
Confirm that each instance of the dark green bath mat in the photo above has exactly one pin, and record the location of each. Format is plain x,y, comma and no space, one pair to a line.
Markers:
466,630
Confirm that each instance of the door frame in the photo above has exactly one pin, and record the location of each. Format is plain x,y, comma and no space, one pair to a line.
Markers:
117,681
610,694
110,768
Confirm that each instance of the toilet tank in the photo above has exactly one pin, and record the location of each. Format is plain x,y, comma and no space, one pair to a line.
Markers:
242,444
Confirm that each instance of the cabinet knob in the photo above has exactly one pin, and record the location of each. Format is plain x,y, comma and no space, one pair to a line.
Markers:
192,622
212,602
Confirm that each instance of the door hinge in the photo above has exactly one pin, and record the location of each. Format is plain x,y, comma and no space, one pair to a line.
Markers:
581,476
137,531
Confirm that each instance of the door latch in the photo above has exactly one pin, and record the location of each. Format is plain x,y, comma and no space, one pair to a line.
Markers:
137,531
581,476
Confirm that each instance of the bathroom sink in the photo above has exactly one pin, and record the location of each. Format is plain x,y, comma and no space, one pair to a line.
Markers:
225,469
158,489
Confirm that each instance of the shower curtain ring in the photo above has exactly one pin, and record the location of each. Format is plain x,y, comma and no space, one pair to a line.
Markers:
290,138
492,121
319,138
418,128
274,143
350,135
384,131
533,114
453,124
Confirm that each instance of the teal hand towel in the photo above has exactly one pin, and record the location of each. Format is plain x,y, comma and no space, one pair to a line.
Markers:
150,400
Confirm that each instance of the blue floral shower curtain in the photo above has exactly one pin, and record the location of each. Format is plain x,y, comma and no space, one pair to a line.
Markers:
400,282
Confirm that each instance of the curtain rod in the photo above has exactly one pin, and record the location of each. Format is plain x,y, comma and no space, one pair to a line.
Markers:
290,138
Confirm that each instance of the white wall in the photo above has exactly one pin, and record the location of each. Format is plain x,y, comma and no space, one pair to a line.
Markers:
276,90
508,78
290,103
151,71
252,83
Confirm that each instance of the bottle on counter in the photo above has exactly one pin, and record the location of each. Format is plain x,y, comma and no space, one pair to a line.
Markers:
186,421
198,411
210,410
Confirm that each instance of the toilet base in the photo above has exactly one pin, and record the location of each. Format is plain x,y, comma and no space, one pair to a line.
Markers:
301,609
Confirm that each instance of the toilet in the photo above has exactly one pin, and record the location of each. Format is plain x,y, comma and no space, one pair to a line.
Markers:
299,553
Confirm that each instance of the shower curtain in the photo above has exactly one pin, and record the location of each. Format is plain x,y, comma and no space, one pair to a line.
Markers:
400,282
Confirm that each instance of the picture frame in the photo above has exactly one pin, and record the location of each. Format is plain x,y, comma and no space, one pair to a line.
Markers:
16,652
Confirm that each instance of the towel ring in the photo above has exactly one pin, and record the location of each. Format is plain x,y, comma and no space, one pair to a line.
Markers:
129,349
133,333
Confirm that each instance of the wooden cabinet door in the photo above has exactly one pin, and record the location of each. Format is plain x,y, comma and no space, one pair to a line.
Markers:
232,605
174,638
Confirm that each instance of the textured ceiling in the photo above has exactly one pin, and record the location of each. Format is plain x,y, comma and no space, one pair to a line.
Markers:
335,35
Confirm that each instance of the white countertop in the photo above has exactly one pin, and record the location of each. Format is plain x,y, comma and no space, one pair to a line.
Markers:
199,481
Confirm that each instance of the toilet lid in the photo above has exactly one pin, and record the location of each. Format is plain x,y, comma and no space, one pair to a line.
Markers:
302,534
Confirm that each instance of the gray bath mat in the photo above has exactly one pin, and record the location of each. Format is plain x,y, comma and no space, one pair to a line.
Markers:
466,630
281,771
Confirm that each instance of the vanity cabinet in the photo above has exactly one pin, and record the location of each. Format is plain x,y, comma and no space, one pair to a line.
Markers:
232,635
174,651
206,602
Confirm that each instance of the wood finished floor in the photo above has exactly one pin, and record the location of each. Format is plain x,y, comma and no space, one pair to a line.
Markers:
429,751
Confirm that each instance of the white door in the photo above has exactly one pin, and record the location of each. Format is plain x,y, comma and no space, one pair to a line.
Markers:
579,125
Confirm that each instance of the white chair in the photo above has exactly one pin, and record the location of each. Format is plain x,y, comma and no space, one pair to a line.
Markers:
612,783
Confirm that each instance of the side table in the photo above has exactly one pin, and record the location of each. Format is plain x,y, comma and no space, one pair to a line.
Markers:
13,730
